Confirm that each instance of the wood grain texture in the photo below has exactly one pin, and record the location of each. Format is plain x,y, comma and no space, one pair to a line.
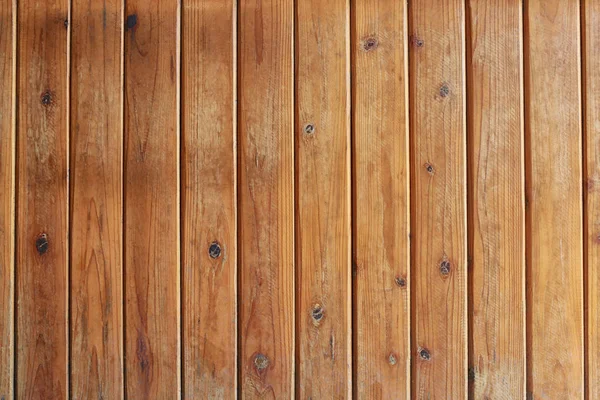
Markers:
591,85
209,243
438,199
42,201
323,231
497,206
554,194
8,24
266,198
96,200
381,199
152,287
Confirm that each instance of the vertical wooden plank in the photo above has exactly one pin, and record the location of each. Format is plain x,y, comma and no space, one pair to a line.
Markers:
381,199
554,219
323,202
152,296
209,199
96,200
497,208
8,24
266,198
591,85
42,201
438,199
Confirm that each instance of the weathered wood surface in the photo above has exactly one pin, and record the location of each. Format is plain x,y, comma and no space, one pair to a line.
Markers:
497,201
208,195
381,199
96,127
152,212
554,199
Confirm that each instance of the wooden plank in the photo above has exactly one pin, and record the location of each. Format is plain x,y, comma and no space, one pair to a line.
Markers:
591,85
497,208
381,199
8,24
323,203
438,199
42,200
152,296
96,200
554,195
266,198
209,243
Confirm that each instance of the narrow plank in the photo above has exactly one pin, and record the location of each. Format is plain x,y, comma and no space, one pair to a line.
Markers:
554,195
209,243
266,198
152,295
8,24
323,202
381,199
438,199
497,206
42,200
591,85
96,200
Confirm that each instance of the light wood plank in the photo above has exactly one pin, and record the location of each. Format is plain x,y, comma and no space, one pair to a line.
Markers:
497,206
209,242
554,194
266,198
324,312
438,199
8,24
381,202
152,287
42,200
96,200
591,85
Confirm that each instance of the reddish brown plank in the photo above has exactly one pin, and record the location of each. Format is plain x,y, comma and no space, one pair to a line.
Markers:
323,204
209,243
96,199
381,203
438,199
496,190
8,24
42,201
266,198
152,287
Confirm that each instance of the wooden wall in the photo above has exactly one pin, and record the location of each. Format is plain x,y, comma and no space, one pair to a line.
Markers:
269,199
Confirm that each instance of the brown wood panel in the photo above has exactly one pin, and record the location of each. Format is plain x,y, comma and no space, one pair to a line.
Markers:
591,97
438,199
96,306
152,287
209,243
8,24
381,199
324,312
42,201
497,206
554,199
266,198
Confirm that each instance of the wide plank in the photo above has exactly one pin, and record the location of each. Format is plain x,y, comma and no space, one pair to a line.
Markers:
497,199
554,199
209,242
266,198
381,199
438,199
96,306
8,24
42,200
152,212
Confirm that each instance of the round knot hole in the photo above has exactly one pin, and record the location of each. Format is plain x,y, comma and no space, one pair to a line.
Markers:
214,251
